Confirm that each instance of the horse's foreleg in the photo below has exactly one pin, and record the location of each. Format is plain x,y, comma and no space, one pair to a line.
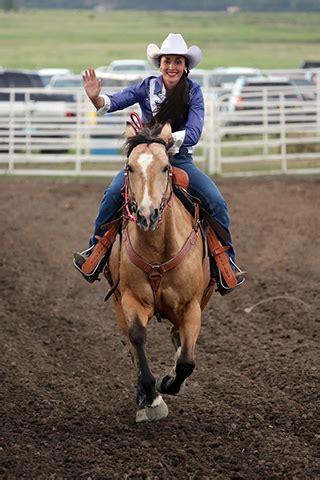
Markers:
150,403
146,391
184,359
175,338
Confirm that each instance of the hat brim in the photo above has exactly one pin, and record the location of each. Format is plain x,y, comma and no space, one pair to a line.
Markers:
193,55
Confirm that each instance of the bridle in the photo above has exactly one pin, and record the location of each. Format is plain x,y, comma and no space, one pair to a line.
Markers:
130,203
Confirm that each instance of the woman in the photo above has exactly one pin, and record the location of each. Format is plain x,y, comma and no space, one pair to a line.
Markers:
171,97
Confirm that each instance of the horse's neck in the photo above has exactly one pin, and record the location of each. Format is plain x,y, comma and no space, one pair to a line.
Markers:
166,241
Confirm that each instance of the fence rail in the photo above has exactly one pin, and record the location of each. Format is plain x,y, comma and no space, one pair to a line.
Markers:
268,135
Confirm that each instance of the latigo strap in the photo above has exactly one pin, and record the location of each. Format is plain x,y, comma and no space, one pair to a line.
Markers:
219,253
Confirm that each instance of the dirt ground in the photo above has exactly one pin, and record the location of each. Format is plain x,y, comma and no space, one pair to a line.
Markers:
251,407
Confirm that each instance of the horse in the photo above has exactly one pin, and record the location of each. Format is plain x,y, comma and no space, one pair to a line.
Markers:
161,265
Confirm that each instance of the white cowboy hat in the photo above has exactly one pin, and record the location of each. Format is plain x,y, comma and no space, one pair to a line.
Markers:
174,44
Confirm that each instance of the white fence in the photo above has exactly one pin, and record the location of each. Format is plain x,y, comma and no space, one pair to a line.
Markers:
276,133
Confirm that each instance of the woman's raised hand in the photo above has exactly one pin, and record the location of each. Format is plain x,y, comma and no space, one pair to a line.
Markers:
91,84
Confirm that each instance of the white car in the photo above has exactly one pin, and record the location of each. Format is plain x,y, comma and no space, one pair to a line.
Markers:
47,73
200,76
65,81
127,66
225,77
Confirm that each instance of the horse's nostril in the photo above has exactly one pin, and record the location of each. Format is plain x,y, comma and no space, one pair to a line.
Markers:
141,220
155,215
154,218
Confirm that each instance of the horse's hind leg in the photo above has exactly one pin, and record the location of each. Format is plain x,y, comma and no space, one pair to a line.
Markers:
184,342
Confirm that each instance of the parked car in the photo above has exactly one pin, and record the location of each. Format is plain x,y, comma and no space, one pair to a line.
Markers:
118,81
125,66
34,112
18,79
65,81
310,64
306,88
225,77
26,79
222,79
47,73
250,94
200,76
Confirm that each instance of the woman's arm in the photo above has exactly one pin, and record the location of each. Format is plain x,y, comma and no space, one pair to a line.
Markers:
195,121
190,136
117,101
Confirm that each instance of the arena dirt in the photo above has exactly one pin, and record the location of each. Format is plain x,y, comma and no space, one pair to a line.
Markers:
251,408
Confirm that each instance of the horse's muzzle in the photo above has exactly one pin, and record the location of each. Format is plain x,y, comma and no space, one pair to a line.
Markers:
149,222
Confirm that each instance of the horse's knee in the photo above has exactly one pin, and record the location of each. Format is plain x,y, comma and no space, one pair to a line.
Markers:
137,333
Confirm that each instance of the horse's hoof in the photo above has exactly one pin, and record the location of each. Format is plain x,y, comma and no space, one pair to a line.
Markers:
163,386
154,412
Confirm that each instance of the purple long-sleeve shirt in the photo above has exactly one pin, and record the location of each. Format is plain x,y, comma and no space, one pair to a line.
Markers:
148,94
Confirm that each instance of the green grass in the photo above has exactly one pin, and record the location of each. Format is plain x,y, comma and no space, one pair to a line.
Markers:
77,39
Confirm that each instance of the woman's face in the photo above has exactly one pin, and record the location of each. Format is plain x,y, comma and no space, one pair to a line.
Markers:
172,68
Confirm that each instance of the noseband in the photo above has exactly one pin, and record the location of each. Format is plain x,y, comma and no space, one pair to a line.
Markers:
130,201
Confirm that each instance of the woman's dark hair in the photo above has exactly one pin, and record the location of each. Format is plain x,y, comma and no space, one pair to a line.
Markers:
175,108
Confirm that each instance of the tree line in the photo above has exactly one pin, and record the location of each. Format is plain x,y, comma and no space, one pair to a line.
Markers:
186,5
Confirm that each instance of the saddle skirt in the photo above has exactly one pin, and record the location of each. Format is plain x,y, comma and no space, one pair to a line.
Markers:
180,178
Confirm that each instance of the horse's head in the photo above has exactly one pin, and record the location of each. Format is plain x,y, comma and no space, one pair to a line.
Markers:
148,174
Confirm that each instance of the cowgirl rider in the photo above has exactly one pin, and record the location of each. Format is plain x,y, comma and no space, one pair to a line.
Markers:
170,97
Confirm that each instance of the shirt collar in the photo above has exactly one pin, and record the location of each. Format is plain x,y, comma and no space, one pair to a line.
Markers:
159,87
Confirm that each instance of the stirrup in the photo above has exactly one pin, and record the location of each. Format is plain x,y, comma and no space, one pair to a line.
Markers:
222,288
79,259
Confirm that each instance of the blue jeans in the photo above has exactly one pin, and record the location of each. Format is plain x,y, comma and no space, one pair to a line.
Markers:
200,186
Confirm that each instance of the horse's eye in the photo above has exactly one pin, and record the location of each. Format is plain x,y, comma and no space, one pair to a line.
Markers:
165,169
129,168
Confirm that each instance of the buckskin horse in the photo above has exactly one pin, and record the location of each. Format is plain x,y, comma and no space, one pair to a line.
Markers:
161,267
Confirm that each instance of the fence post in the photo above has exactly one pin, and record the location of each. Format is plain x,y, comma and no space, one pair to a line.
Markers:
217,136
284,166
28,123
212,134
318,99
265,113
78,134
11,131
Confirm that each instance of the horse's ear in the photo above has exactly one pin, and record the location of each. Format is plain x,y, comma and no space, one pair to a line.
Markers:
166,133
130,131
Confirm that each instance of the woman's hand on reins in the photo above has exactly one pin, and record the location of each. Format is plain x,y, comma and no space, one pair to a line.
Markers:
92,86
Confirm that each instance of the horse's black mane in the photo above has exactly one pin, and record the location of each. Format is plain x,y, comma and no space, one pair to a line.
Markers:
147,135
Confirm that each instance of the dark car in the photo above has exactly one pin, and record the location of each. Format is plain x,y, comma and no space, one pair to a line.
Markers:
310,64
27,79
